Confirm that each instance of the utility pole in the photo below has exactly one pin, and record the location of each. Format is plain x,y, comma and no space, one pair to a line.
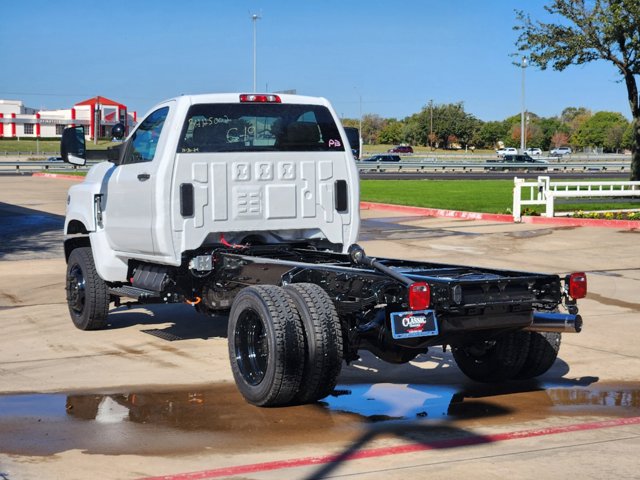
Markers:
523,141
97,126
360,128
254,18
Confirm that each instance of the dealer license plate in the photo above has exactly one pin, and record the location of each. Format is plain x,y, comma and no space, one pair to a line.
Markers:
421,323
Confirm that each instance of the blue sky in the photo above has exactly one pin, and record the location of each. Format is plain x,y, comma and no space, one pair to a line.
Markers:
388,57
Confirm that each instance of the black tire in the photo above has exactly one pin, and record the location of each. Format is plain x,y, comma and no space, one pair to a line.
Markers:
495,361
87,294
323,341
543,351
266,346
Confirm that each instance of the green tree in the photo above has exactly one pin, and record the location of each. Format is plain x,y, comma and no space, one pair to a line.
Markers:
490,133
372,125
587,31
448,121
575,116
551,126
614,138
392,132
351,122
604,129
627,137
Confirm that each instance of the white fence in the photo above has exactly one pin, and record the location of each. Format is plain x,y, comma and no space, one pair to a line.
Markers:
545,192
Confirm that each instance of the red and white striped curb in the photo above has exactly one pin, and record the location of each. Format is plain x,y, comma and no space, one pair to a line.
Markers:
77,178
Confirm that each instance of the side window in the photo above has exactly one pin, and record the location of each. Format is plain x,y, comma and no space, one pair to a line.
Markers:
145,139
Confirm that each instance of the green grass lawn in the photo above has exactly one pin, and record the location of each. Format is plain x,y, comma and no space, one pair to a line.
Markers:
487,196
49,146
469,195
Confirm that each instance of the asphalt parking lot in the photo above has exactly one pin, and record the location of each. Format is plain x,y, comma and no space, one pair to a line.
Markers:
153,396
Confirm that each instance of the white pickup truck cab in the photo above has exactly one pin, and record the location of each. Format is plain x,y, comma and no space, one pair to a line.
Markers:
201,168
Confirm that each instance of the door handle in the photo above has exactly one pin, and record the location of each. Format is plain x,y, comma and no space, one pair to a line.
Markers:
143,177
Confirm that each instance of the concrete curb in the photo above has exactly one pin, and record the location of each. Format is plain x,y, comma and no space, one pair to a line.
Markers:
496,217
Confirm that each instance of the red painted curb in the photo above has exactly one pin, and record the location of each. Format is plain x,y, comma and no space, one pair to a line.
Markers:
496,217
397,450
58,175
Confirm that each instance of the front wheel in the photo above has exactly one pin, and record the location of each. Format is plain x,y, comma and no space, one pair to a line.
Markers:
87,294
266,346
496,360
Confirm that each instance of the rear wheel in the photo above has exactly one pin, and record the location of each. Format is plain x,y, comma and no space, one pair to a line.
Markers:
323,341
87,294
543,351
266,346
496,360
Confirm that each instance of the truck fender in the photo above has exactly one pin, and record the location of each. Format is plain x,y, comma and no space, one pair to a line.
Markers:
82,198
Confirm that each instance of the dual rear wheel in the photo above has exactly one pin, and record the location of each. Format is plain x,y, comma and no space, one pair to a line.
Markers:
285,344
513,355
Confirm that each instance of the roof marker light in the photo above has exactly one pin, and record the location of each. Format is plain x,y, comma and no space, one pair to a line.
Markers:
259,98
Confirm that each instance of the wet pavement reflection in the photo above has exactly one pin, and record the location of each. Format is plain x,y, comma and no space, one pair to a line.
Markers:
187,421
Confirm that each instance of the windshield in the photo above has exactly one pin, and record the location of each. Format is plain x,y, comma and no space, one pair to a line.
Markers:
250,127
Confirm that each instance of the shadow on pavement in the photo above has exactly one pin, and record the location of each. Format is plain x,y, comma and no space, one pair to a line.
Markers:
29,234
421,437
185,322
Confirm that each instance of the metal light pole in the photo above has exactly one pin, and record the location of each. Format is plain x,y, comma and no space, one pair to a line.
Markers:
255,17
360,127
523,141
360,140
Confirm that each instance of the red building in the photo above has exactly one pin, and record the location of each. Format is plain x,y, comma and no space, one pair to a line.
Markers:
104,113
96,115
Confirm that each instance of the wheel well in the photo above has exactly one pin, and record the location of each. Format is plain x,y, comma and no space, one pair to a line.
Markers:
73,243
76,226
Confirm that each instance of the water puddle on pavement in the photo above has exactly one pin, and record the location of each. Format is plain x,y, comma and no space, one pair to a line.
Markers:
217,418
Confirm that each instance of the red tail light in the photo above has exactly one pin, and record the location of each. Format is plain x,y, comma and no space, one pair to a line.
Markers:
259,98
578,285
419,296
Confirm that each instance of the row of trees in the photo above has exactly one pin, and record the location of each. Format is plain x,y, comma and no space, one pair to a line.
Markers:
450,126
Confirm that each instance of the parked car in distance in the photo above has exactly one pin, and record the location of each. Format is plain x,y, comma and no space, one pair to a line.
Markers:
560,151
55,159
382,157
506,151
519,159
522,158
533,152
401,149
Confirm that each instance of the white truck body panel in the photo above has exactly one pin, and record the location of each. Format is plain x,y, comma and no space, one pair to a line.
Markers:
261,192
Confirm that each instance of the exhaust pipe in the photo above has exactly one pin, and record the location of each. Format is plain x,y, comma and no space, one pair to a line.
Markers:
555,322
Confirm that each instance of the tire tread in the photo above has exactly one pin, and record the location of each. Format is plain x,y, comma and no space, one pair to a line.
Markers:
323,340
96,311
